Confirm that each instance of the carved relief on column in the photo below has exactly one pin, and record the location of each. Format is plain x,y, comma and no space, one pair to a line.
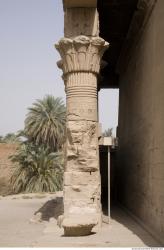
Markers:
81,54
80,64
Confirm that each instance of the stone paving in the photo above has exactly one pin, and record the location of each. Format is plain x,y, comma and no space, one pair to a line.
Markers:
20,228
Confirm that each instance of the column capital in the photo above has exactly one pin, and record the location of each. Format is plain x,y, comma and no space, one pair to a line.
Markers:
81,54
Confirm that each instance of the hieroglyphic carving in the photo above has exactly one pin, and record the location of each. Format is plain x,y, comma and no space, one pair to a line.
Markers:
82,108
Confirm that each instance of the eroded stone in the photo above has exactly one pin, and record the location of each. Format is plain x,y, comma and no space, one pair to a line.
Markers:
84,192
79,225
81,178
81,54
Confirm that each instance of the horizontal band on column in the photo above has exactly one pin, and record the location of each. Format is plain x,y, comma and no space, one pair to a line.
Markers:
82,95
87,91
81,78
82,87
80,91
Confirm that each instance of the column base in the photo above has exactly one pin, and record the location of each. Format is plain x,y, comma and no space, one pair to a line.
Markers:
79,225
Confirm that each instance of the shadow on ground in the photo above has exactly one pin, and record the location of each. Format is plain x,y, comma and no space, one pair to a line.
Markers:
121,223
52,208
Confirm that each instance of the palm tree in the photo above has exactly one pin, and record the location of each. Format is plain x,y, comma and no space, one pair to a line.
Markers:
11,138
45,122
37,170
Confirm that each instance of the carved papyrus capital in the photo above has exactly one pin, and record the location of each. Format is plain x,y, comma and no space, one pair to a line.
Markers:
81,54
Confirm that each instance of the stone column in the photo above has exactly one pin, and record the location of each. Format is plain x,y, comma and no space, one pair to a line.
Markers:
82,188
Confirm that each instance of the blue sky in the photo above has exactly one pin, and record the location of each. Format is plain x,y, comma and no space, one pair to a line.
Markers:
28,31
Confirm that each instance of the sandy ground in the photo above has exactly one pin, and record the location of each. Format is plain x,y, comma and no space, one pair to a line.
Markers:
20,227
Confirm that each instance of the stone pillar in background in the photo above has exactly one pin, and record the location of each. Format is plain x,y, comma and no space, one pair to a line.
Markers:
80,63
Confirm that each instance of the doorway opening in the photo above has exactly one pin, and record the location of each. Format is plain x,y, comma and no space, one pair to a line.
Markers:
108,117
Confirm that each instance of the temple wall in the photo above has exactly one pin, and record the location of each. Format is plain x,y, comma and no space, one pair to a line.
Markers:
141,127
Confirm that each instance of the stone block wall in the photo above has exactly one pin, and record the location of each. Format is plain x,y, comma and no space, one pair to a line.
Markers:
6,167
141,127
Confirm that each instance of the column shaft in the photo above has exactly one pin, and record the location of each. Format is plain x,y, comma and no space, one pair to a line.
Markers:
82,189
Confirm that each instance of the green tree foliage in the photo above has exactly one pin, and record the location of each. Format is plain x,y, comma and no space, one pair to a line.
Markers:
10,138
45,122
108,132
39,160
1,138
38,169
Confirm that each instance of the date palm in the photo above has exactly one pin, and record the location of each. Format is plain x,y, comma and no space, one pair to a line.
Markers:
38,169
45,122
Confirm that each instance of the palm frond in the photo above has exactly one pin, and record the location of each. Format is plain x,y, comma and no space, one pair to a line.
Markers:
38,169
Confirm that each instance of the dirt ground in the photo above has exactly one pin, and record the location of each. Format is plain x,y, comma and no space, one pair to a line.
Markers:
21,227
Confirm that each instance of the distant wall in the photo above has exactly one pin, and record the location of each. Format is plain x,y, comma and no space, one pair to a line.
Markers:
6,167
140,165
